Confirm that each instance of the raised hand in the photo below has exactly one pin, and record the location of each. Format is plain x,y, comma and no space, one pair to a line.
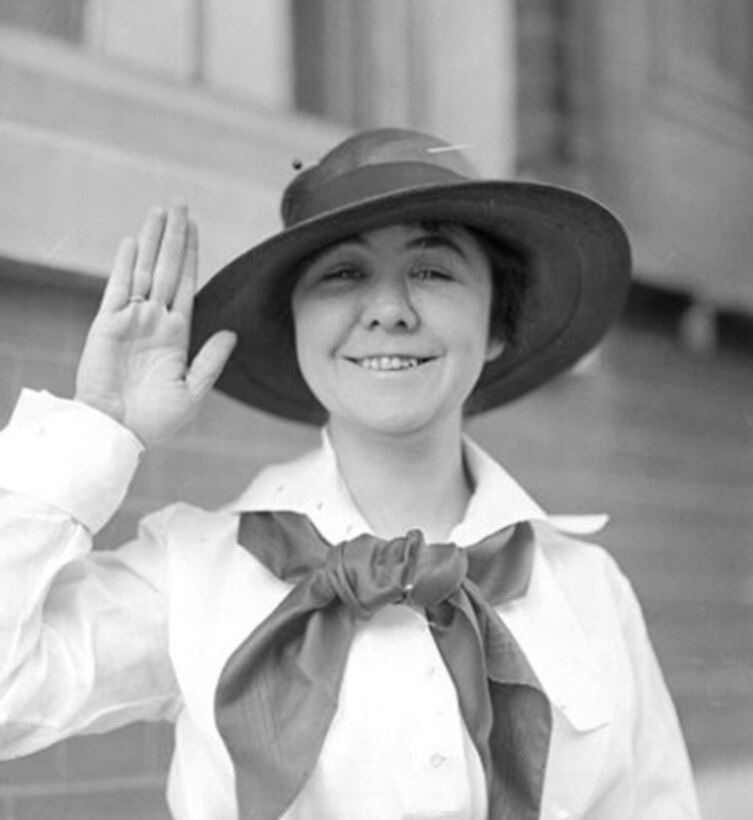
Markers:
134,366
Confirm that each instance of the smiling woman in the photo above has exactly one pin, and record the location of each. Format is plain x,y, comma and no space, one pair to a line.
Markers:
388,626
392,328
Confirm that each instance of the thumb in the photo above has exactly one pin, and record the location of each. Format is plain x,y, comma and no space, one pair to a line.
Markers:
208,363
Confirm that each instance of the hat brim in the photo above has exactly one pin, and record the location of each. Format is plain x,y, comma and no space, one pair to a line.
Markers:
578,264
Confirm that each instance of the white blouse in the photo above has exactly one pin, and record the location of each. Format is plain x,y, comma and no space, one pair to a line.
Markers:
92,641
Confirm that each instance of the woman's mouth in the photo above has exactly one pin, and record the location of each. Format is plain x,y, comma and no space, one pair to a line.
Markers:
389,363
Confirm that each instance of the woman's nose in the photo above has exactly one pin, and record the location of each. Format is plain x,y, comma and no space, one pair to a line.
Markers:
388,305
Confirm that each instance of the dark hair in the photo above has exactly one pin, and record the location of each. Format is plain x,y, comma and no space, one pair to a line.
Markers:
510,282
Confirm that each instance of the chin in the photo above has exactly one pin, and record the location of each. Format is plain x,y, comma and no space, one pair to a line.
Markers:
392,420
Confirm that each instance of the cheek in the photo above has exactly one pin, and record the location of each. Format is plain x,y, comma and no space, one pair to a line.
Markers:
308,351
307,318
473,322
302,333
319,327
307,341
317,341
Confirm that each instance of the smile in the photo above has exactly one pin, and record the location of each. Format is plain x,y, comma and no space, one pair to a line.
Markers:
384,363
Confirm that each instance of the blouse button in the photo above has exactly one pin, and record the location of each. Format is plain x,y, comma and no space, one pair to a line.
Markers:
437,760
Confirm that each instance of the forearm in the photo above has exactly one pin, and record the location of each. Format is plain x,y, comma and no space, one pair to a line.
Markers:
64,615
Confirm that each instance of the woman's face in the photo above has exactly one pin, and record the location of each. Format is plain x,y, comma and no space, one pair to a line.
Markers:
392,326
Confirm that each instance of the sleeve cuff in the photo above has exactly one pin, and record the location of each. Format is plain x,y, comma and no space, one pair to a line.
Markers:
69,455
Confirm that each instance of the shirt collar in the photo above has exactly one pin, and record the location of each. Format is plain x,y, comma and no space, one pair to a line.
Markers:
312,485
567,667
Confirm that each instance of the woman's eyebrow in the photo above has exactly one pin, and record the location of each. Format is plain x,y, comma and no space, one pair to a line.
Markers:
357,240
321,257
427,240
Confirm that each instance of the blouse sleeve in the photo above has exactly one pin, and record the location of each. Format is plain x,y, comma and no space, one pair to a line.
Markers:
83,635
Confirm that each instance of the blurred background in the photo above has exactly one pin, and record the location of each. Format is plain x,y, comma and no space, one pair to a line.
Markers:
110,106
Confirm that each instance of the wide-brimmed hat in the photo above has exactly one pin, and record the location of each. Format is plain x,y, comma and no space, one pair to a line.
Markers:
577,264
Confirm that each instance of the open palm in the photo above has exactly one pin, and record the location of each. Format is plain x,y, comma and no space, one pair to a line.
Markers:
134,366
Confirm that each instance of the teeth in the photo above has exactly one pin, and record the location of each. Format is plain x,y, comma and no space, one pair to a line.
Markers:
389,362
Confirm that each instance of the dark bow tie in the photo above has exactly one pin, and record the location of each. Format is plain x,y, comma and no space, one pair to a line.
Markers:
278,692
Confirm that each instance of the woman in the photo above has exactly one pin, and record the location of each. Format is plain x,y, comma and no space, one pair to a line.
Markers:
388,627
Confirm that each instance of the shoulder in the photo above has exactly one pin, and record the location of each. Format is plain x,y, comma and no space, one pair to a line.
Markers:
580,583
586,572
265,491
283,485
188,538
195,538
179,519
567,554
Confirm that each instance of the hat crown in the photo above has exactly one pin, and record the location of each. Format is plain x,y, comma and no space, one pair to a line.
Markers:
381,145
373,163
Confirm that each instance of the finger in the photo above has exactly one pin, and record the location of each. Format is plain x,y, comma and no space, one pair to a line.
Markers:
118,288
208,363
172,252
150,240
186,289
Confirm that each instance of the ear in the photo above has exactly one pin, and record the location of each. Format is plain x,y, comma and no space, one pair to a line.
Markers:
494,348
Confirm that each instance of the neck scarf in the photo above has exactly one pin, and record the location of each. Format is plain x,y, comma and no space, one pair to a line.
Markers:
278,692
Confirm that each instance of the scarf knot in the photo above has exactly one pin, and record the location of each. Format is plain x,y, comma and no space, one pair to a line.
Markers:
278,693
367,574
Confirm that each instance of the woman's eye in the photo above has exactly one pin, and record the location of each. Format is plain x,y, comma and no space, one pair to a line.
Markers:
426,274
343,274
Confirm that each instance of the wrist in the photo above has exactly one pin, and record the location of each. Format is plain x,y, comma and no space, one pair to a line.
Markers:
109,405
112,408
69,455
